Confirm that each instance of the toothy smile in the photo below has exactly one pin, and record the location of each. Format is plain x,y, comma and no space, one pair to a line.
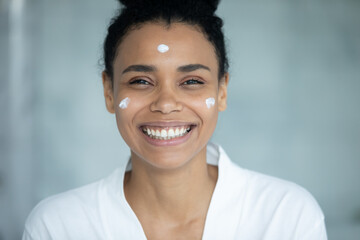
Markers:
165,133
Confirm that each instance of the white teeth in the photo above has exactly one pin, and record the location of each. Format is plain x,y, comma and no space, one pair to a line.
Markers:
171,133
163,134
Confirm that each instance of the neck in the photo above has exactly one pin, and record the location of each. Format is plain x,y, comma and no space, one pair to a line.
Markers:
180,194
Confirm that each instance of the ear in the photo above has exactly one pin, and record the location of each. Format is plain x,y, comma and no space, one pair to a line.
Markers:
108,92
222,95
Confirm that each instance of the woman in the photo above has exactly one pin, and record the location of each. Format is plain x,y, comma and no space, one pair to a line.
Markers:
166,79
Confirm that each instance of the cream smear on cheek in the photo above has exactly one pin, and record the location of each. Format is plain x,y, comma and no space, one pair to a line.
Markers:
210,102
163,48
124,103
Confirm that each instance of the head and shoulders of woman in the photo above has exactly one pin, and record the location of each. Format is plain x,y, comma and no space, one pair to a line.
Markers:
168,89
165,79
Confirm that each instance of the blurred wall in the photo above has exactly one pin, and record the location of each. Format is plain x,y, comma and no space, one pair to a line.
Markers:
16,126
292,110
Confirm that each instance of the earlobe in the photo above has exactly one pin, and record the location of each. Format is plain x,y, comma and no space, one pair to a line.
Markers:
108,92
222,95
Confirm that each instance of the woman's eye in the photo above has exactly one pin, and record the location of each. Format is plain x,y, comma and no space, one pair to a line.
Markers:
192,82
139,82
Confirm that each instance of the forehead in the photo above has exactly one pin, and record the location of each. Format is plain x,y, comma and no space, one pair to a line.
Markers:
186,45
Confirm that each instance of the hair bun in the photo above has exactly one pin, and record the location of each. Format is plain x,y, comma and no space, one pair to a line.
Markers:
210,5
213,4
129,3
125,3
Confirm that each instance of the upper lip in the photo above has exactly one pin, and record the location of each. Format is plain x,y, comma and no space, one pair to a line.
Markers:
166,124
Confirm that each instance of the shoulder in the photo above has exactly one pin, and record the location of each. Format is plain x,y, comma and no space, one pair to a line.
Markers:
65,201
56,215
263,190
275,190
278,202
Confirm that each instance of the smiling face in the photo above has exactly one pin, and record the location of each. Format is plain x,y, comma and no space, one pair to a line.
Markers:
167,120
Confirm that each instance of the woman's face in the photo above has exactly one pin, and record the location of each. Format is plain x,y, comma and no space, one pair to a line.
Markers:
167,113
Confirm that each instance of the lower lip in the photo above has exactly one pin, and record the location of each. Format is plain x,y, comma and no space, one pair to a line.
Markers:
170,142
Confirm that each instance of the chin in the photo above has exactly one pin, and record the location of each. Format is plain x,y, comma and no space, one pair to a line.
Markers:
167,161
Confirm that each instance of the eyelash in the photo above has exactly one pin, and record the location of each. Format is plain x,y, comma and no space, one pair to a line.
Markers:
139,82
187,82
194,82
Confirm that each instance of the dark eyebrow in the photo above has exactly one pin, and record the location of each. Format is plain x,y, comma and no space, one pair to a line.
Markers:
139,68
150,68
192,67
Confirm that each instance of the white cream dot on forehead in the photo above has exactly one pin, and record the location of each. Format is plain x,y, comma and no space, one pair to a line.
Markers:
210,102
163,48
124,103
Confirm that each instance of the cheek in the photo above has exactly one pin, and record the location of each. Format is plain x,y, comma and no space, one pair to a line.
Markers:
205,107
124,103
126,108
210,102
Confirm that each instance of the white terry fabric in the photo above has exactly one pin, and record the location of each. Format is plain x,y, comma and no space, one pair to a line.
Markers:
245,205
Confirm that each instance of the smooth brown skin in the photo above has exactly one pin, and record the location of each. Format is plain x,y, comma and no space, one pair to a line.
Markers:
169,188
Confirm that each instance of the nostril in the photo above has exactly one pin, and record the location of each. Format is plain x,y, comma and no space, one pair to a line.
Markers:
166,105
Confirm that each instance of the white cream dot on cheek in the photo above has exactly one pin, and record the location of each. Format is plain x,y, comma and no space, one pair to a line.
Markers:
124,103
210,102
163,48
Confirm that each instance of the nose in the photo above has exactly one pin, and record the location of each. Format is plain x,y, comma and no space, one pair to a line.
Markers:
166,102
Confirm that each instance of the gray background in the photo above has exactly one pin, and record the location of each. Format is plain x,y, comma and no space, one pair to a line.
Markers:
293,109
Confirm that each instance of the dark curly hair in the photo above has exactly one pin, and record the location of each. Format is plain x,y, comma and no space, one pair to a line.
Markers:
134,13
